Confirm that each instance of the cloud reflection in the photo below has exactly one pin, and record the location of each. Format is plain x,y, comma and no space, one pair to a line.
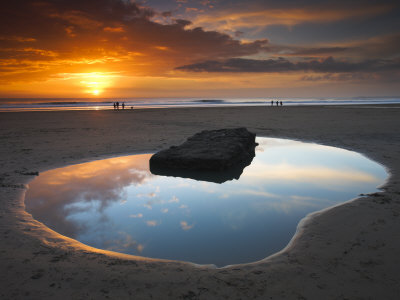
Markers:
57,194
289,204
174,199
152,223
125,244
185,226
318,174
136,216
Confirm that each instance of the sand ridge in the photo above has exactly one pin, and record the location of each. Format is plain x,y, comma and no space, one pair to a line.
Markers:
348,252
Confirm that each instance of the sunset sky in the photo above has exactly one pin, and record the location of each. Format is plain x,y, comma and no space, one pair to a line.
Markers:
199,48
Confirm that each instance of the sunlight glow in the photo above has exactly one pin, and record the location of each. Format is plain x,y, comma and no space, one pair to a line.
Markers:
95,83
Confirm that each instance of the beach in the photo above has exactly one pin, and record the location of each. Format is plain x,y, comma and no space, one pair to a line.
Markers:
346,252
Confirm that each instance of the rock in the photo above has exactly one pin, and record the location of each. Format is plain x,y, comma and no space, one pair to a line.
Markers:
211,155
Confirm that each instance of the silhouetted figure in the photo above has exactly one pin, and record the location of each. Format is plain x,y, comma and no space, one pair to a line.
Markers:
272,102
277,103
117,105
123,105
281,103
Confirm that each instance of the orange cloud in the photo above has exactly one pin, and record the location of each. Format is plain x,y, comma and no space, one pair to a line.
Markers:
189,9
114,29
67,37
18,38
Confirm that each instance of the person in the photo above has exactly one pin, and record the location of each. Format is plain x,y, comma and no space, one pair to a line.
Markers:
117,105
277,102
272,102
281,103
123,105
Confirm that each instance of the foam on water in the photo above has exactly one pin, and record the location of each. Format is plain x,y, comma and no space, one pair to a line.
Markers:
107,103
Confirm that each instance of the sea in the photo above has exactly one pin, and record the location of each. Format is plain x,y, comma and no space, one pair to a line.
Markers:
55,104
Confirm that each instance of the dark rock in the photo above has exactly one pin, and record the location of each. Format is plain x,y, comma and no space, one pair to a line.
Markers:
211,155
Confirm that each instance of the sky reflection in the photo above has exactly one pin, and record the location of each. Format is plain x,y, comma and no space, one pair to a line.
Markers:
117,204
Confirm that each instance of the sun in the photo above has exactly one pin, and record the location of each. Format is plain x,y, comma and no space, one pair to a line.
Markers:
95,83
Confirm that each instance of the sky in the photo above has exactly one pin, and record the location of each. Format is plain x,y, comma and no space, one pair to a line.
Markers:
199,48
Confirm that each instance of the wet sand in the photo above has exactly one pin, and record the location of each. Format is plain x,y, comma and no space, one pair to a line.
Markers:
346,252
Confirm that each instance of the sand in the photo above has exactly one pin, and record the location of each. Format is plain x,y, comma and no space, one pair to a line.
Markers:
347,252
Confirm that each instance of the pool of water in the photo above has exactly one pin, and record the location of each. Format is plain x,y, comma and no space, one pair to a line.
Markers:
118,204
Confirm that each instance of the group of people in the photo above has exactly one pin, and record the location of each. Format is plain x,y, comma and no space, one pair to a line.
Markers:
116,105
277,103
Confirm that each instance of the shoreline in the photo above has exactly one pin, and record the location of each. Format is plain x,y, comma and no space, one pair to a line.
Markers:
146,106
318,249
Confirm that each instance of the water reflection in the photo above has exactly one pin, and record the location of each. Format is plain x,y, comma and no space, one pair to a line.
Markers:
60,193
117,204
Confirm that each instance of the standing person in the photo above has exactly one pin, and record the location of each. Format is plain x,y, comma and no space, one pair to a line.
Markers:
277,102
281,103
114,105
117,105
272,102
123,105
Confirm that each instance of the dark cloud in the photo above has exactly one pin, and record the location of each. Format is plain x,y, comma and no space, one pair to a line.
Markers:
328,65
295,22
183,23
353,77
282,4
166,14
316,51
381,46
239,33
386,46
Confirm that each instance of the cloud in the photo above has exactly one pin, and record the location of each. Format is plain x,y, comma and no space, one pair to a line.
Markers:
41,39
375,47
379,46
257,14
46,44
313,51
166,14
353,77
326,65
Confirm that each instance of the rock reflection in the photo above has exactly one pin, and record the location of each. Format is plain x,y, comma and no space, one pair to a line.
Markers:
210,176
